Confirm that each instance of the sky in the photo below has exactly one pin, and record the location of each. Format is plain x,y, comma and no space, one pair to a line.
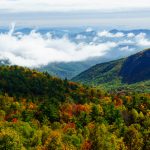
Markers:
35,49
123,14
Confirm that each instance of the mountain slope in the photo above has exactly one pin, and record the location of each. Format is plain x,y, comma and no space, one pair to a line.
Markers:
70,69
65,70
100,73
133,69
136,67
38,111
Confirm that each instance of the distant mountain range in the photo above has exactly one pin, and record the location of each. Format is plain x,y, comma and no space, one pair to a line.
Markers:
126,45
130,70
71,69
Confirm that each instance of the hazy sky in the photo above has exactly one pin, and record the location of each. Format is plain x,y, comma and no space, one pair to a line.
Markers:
102,13
35,49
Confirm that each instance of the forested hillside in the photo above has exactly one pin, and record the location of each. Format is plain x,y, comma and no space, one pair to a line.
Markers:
41,112
132,72
136,68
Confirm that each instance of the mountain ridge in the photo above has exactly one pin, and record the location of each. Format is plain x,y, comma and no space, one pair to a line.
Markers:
125,70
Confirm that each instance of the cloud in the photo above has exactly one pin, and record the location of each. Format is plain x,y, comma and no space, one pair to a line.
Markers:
142,40
141,36
110,35
127,49
80,37
108,13
130,35
34,49
89,29
12,29
70,5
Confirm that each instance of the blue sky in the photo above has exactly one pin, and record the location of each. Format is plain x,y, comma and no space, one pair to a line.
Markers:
124,14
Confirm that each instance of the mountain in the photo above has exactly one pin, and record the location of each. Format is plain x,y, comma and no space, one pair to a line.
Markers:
70,69
39,111
65,70
136,31
124,48
136,68
133,69
80,39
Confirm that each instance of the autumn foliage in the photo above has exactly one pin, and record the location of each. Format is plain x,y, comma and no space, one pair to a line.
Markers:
41,112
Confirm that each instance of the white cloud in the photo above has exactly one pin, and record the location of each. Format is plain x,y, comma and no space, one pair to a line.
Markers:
130,35
140,36
143,42
126,48
68,5
110,35
89,29
34,50
80,37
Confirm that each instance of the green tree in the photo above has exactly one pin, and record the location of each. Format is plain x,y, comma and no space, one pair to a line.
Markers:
133,139
10,140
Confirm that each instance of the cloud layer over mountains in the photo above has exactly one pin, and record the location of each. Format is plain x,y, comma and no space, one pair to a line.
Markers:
36,49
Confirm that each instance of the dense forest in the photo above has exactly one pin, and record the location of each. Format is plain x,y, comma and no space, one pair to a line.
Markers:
41,112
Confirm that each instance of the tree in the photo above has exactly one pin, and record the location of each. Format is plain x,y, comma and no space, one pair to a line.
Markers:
102,139
54,142
2,115
133,139
96,112
134,114
10,140
50,110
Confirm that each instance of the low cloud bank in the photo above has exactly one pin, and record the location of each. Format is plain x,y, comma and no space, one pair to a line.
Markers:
35,49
